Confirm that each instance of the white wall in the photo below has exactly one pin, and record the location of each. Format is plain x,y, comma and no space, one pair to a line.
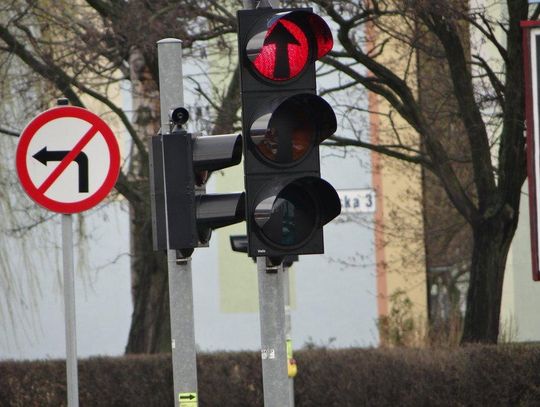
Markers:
520,319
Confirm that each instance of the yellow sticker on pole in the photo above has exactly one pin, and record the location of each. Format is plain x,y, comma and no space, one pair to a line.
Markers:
188,400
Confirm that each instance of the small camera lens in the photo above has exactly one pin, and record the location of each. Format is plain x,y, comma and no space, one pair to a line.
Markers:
179,115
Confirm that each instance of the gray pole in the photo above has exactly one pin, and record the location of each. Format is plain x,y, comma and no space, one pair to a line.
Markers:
171,92
288,327
69,304
273,346
69,307
249,4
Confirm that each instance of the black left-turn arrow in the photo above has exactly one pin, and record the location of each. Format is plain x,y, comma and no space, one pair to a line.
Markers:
44,156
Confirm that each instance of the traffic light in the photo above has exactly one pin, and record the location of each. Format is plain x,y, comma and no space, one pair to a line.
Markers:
183,214
283,123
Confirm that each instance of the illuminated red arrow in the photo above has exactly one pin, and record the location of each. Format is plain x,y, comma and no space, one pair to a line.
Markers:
281,38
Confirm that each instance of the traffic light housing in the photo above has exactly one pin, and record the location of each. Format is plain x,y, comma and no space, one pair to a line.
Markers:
183,214
283,124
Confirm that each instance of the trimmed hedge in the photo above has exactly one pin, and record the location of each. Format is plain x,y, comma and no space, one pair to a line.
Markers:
472,376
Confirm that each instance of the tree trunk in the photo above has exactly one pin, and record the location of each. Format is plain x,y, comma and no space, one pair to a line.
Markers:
150,330
492,239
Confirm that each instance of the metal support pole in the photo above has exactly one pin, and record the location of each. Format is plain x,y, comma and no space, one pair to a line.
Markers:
288,327
273,347
184,357
180,280
253,4
249,4
69,306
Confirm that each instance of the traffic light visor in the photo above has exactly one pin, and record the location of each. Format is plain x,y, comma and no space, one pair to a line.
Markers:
286,133
288,216
215,211
280,49
217,152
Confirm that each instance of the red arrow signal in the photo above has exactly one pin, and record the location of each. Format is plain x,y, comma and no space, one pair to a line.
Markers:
285,51
281,38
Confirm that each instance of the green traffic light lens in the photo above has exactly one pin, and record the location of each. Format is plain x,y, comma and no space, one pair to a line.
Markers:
293,218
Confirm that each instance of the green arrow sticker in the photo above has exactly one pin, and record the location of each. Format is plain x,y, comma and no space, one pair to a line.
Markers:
188,399
289,349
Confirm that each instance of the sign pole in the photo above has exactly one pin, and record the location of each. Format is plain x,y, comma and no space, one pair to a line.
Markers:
69,305
179,269
273,347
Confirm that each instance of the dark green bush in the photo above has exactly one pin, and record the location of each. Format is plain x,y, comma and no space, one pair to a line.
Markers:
472,376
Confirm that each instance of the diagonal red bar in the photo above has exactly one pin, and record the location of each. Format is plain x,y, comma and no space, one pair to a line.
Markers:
67,159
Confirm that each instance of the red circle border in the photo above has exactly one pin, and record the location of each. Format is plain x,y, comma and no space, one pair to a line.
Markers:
22,151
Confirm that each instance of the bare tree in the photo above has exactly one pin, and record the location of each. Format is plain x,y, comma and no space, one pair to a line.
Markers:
82,53
483,179
79,51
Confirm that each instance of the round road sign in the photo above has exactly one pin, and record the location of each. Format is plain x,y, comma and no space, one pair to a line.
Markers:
68,159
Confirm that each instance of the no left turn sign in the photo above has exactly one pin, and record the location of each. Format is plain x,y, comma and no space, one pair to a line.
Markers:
68,159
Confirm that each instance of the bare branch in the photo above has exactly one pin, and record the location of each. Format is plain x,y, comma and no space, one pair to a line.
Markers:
484,174
389,150
9,132
51,73
495,82
487,30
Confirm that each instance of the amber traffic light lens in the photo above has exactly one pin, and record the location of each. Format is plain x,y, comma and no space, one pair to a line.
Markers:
290,133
